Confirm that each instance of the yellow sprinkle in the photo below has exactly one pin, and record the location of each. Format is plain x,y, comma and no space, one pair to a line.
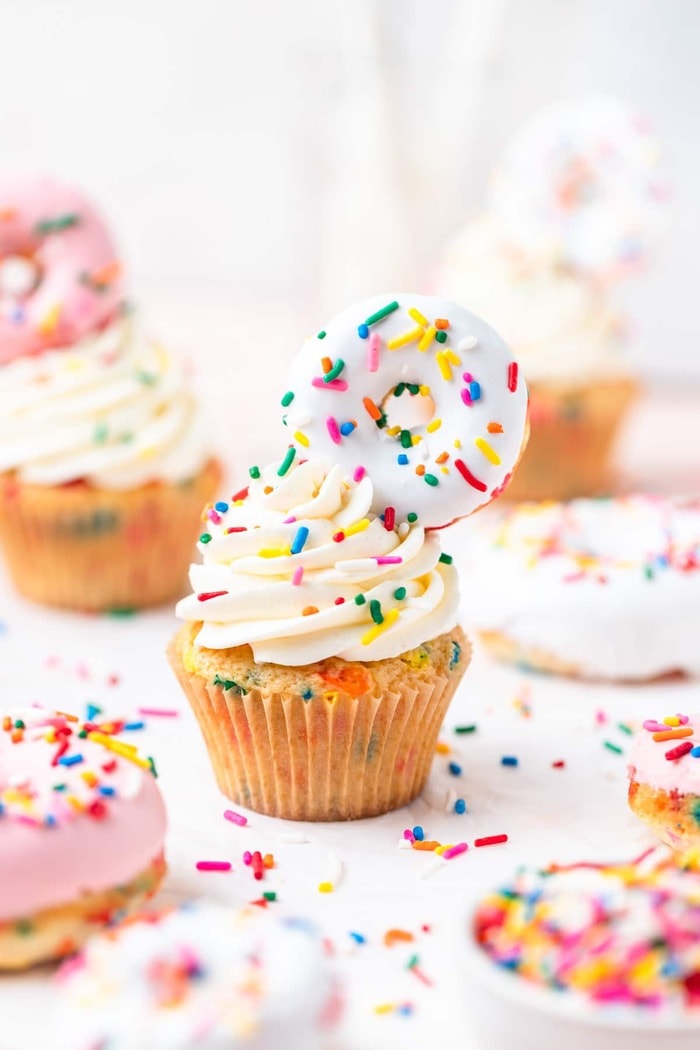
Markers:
434,425
490,453
51,736
407,337
89,777
416,439
445,470
359,526
379,628
442,363
48,323
75,803
274,552
451,356
330,696
301,438
427,338
458,443
672,720
384,1008
393,431
119,748
441,748
325,887
148,453
418,316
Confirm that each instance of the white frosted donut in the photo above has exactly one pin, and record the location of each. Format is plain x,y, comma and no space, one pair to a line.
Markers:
418,392
603,588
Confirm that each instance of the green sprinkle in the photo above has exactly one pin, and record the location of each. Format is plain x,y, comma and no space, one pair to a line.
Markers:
61,222
406,440
360,599
411,516
269,895
375,611
625,728
60,787
335,371
23,927
152,764
413,961
19,724
612,747
441,337
254,472
287,399
205,538
400,594
389,309
228,684
430,479
399,389
286,462
461,730
413,388
100,433
321,335
649,572
446,559
83,734
147,378
122,612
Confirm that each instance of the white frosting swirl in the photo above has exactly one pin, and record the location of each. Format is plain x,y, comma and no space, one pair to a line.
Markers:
114,410
346,586
557,323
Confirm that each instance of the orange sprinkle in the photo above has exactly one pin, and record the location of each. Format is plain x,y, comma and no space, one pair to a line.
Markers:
268,861
494,428
326,364
392,937
7,214
7,723
268,489
420,470
353,679
426,844
17,735
442,323
309,610
68,718
442,749
107,274
673,734
442,458
372,410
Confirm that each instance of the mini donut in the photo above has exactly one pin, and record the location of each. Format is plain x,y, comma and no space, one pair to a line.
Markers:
664,775
452,444
60,278
605,589
202,976
581,183
82,826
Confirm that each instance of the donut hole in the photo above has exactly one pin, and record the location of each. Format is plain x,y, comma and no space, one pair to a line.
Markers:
407,406
19,277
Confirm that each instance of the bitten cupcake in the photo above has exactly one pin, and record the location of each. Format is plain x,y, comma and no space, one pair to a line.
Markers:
204,977
103,462
664,775
82,827
321,648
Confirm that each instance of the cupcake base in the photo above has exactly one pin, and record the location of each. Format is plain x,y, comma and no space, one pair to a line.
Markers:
53,933
572,433
329,741
80,547
674,818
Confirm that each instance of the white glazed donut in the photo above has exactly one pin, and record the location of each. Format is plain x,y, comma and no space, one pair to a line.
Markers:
446,452
599,588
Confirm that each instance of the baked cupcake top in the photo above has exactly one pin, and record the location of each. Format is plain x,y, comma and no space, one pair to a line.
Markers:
115,409
80,809
622,934
666,754
202,976
300,568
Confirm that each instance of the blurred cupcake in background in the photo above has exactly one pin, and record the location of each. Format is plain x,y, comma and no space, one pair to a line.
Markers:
104,466
576,205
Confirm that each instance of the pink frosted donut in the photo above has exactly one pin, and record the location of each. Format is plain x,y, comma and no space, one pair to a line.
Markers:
60,278
82,825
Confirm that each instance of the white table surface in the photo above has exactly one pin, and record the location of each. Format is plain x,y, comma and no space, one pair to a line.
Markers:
576,812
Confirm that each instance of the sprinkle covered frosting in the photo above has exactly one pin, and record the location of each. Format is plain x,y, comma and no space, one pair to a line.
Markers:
617,934
299,567
665,754
201,976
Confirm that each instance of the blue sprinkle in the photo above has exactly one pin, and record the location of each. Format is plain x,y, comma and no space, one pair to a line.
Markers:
418,833
221,507
347,428
300,539
307,694
455,769
107,791
696,752
92,712
402,459
362,331
358,938
134,725
509,760
50,821
70,760
460,806
405,1009
475,390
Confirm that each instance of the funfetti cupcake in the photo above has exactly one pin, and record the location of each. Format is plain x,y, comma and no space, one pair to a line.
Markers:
321,647
103,461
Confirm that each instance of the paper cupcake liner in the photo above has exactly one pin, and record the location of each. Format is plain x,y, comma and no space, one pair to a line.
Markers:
572,434
94,549
53,933
321,759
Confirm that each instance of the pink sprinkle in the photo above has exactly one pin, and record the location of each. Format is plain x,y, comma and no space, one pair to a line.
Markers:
335,384
235,818
31,822
247,858
388,559
159,712
466,396
653,726
468,377
455,851
290,520
333,430
373,352
601,718
213,865
409,836
214,516
297,575
359,474
683,719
